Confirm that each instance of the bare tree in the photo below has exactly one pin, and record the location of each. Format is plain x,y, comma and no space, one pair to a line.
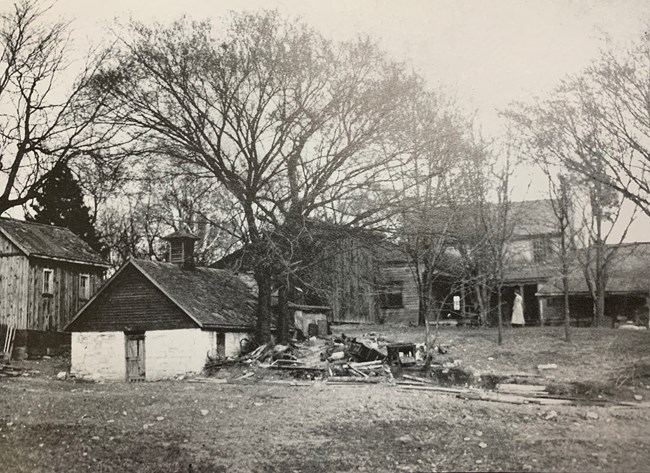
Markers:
287,122
158,199
602,214
437,137
567,132
479,195
598,122
41,126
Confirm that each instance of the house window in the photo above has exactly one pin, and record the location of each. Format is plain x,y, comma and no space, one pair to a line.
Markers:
391,296
48,281
541,250
84,287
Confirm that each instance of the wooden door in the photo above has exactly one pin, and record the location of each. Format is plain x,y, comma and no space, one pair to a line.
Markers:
221,345
135,357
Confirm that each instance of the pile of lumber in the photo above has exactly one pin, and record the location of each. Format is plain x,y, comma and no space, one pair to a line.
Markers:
9,371
260,354
368,372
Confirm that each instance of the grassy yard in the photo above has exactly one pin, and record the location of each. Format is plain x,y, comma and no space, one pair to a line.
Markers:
607,356
48,425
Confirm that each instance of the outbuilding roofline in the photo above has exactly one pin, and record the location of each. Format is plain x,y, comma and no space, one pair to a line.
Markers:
142,269
34,254
131,261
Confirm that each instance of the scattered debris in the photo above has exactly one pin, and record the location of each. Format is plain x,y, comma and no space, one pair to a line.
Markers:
402,354
7,370
250,374
550,415
62,375
550,366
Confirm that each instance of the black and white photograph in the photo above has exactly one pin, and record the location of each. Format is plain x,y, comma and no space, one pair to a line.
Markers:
303,236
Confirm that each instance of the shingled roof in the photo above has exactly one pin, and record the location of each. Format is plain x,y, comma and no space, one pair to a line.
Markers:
213,298
533,217
48,241
628,273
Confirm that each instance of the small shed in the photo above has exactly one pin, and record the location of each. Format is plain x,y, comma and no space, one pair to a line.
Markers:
156,320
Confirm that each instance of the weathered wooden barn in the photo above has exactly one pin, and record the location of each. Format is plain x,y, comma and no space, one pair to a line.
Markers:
156,320
46,274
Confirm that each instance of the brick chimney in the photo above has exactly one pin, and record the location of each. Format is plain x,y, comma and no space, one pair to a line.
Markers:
181,249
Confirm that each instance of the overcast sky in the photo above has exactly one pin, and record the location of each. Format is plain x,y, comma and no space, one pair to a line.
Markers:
486,53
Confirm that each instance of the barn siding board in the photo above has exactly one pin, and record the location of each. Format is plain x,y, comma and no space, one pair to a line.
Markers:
409,312
38,318
53,312
13,285
132,303
352,297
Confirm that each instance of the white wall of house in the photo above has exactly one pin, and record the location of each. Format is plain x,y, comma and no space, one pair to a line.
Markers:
520,251
167,352
98,353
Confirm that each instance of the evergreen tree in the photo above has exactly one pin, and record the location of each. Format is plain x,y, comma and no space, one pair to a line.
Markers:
61,203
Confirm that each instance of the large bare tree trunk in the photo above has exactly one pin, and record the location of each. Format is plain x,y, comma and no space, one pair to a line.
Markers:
425,295
567,314
284,314
482,296
599,300
499,316
264,287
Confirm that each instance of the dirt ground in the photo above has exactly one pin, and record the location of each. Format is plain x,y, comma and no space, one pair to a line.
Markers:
47,425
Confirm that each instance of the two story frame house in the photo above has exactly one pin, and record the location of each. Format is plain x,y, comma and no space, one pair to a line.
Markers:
531,257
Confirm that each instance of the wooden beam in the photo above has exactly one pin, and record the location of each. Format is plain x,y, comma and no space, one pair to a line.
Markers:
541,302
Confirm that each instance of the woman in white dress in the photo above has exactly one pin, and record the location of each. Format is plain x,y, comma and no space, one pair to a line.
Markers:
518,311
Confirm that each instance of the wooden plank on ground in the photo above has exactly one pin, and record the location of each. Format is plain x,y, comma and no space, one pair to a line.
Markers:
521,388
439,389
357,372
415,378
354,379
367,364
287,383
296,368
505,398
410,383
208,380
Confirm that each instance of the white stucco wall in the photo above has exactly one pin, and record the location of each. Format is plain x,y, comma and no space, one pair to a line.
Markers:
233,340
167,352
172,352
98,353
